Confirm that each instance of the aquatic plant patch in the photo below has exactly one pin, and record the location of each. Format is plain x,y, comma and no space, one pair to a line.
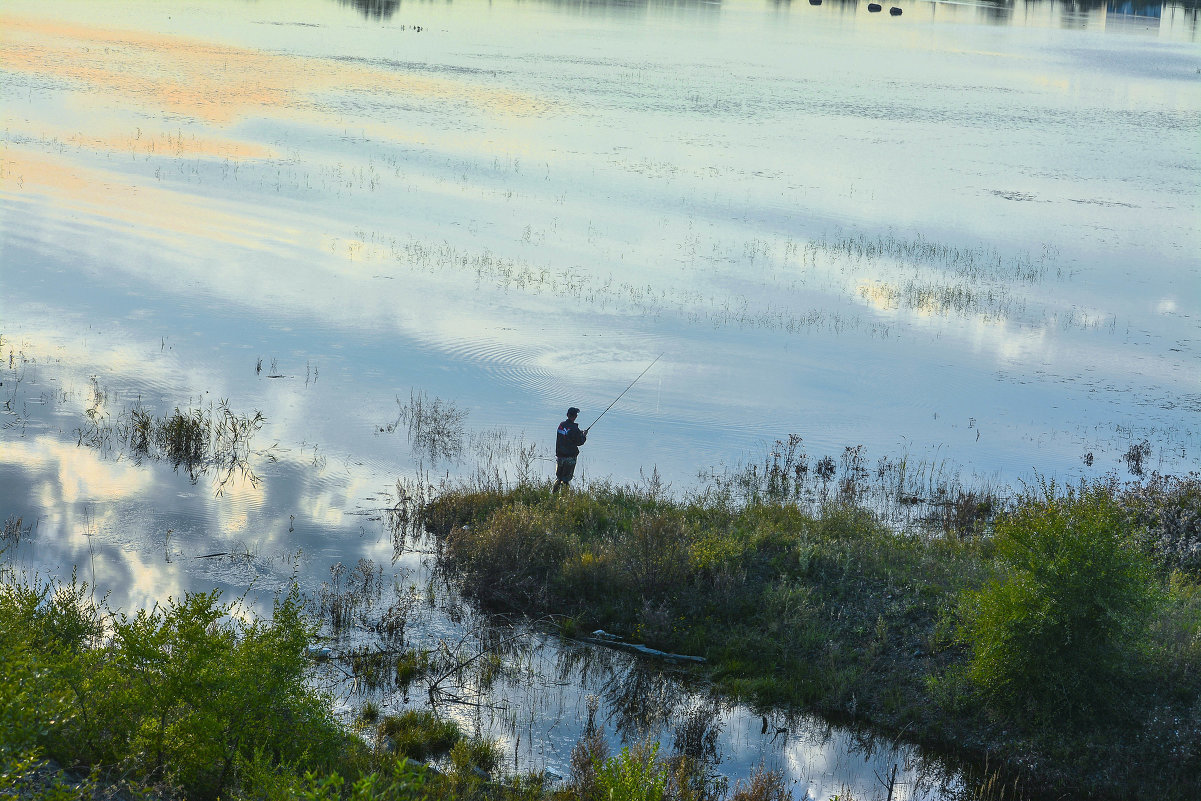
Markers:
214,440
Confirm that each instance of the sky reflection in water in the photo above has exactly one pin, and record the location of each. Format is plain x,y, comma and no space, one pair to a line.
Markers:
967,234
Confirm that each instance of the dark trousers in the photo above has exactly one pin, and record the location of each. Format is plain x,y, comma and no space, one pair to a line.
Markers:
564,471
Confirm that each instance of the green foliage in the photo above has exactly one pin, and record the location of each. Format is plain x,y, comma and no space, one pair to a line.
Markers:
1053,631
182,694
1167,511
762,785
398,780
43,628
635,775
419,734
27,776
472,760
1004,630
192,690
411,665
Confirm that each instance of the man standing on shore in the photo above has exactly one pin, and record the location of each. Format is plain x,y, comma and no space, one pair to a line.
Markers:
568,440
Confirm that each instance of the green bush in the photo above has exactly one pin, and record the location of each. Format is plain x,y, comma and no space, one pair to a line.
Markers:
516,541
633,775
44,631
179,695
1051,633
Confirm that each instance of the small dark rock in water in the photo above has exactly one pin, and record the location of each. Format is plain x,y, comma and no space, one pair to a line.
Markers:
815,2
896,12
874,7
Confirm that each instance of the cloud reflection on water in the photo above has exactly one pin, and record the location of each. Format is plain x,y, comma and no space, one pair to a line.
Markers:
216,83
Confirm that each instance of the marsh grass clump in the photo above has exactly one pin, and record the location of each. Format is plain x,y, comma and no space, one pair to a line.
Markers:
372,669
903,492
419,734
143,431
477,754
183,436
965,513
348,593
232,435
765,785
368,713
215,440
1135,456
13,530
697,733
401,516
413,665
435,427
391,625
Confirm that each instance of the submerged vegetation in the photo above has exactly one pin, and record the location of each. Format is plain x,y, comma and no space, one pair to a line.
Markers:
888,272
214,440
1056,637
435,427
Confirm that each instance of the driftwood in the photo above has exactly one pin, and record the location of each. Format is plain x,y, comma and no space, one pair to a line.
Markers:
601,637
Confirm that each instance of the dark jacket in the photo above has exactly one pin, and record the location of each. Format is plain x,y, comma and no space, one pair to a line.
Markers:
569,439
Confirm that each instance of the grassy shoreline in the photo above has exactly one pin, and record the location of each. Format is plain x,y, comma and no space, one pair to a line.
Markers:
1057,640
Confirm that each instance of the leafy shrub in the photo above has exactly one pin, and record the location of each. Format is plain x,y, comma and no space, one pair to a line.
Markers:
1052,632
43,630
399,780
633,775
656,554
182,694
513,556
192,691
28,777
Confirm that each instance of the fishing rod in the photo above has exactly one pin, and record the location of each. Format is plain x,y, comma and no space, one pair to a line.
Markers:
624,391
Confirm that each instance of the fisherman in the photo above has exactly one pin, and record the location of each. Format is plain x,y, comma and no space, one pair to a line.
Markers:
568,440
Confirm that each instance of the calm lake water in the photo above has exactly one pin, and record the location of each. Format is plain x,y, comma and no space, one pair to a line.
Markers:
967,236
